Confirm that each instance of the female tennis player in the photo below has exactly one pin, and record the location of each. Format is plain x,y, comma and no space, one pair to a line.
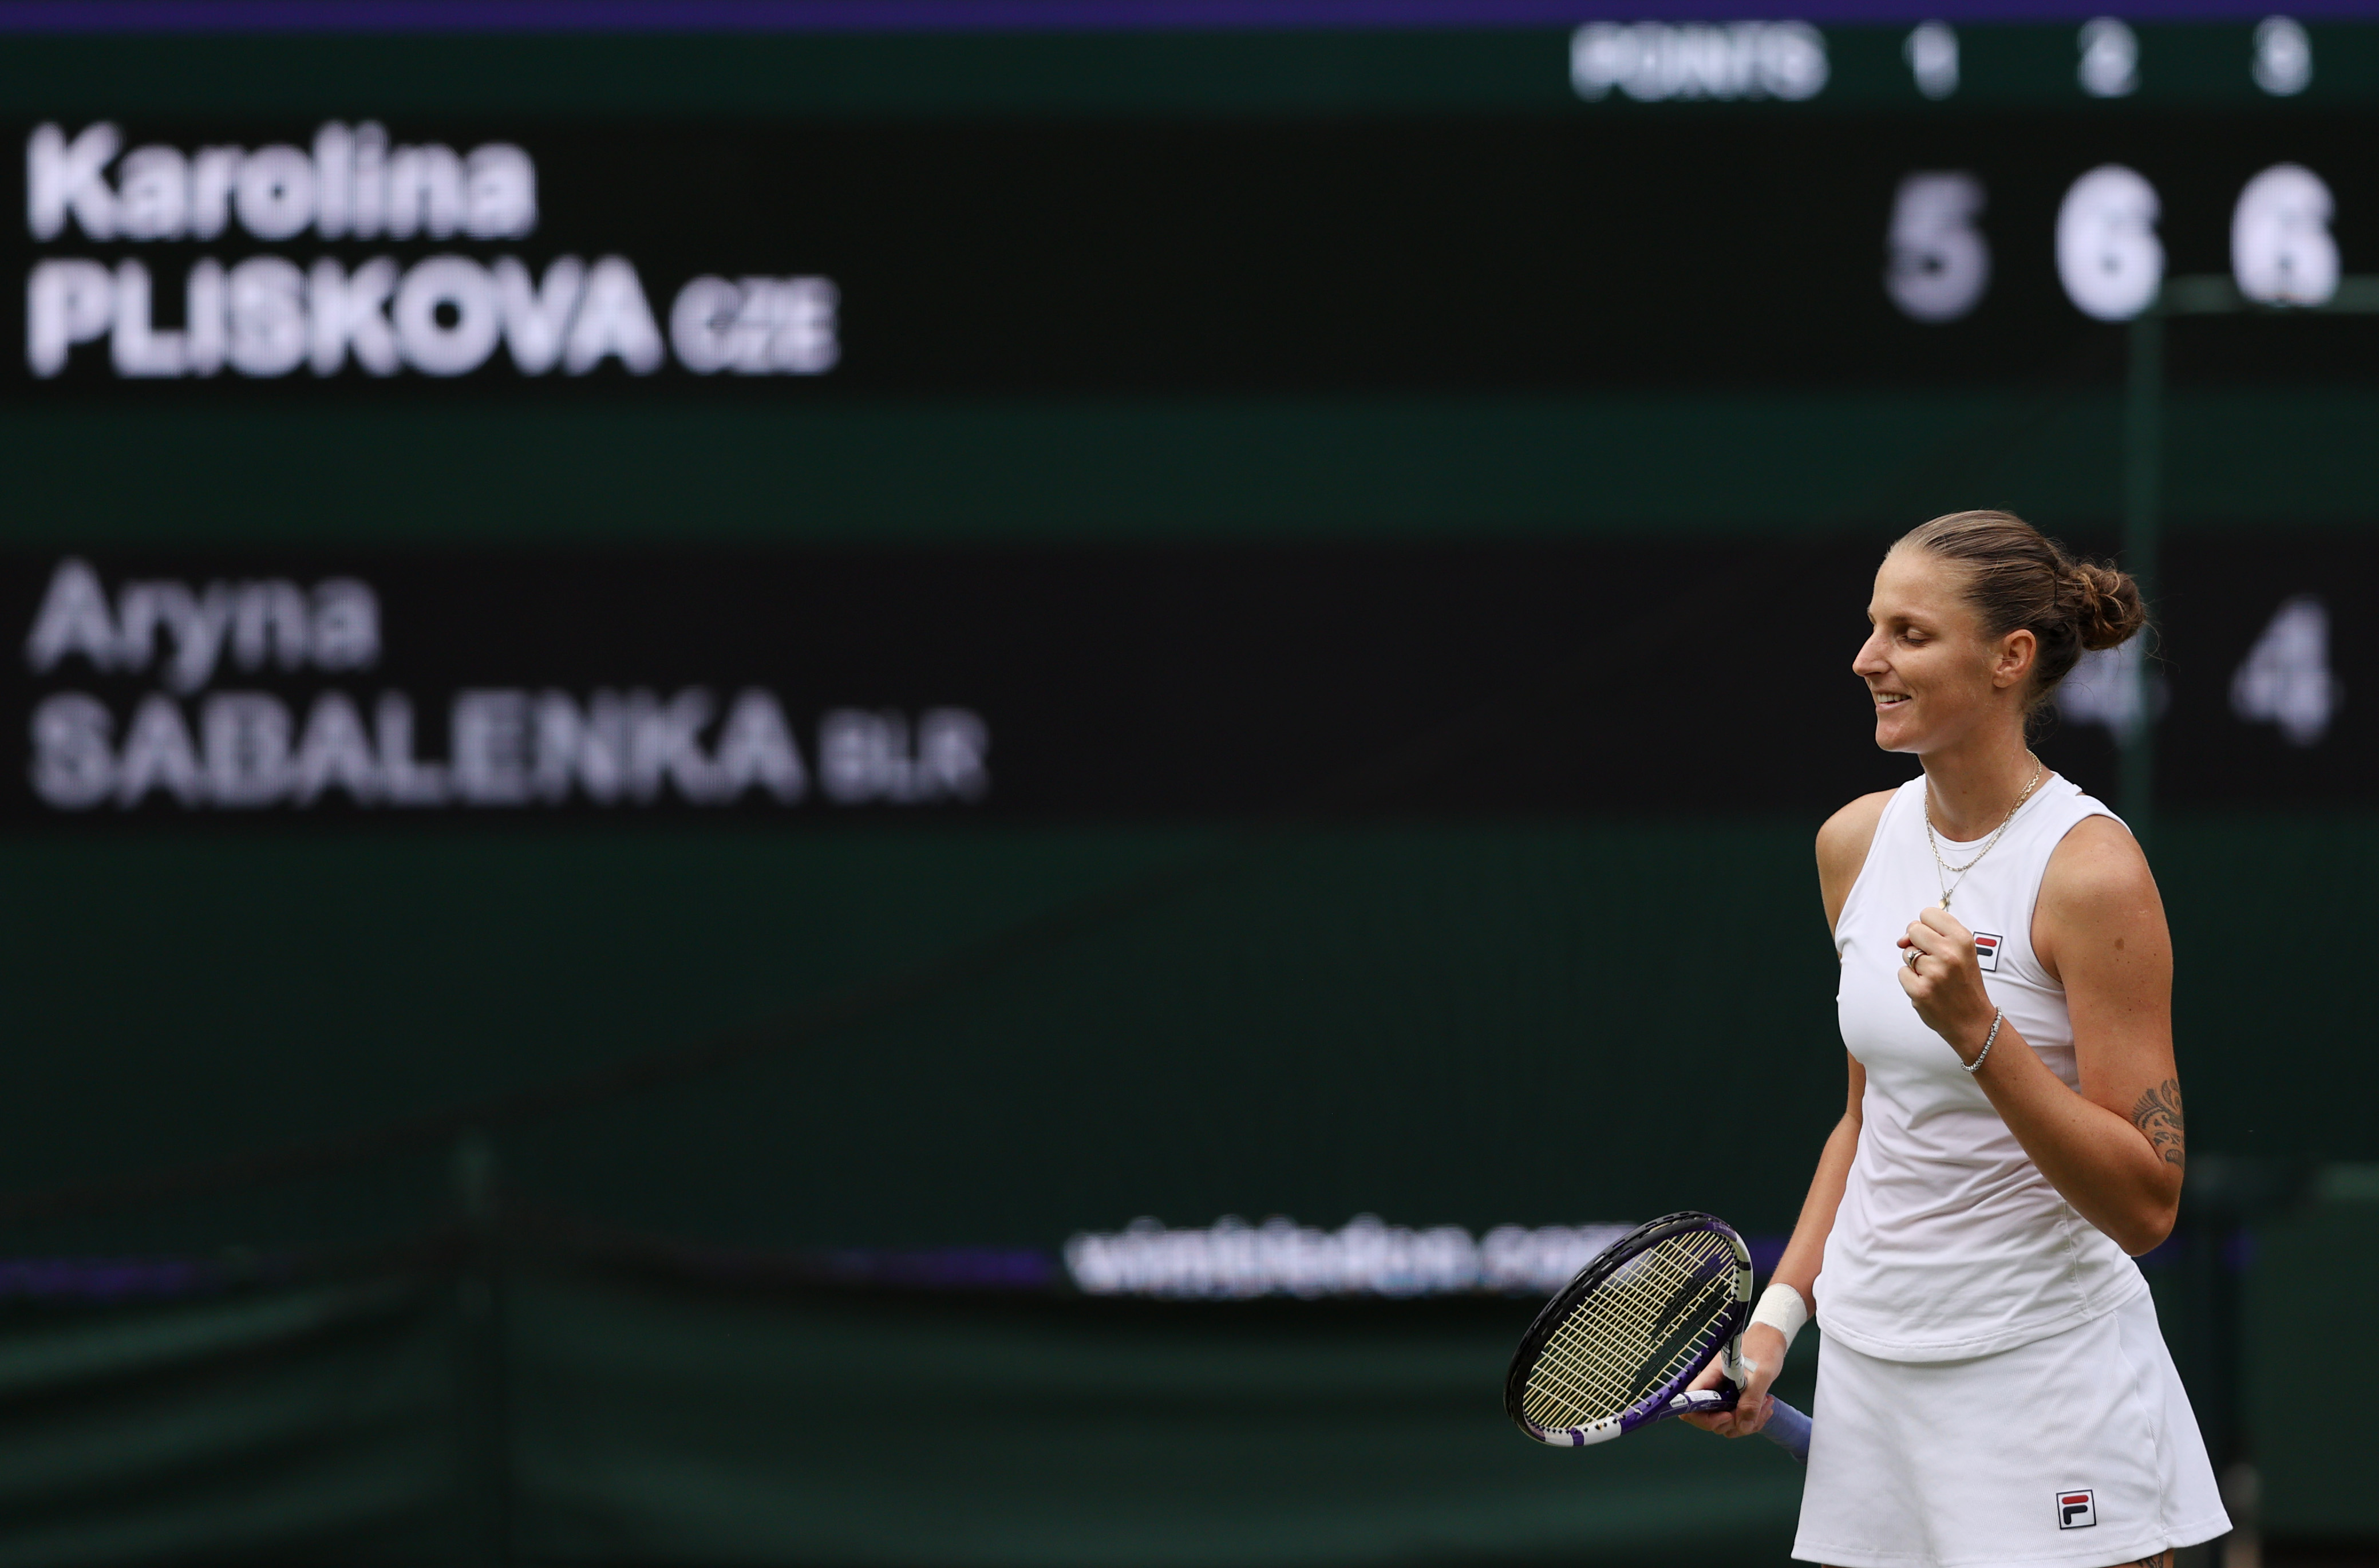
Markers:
1992,1388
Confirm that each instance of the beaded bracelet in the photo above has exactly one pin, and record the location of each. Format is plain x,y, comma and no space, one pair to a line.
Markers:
1998,1016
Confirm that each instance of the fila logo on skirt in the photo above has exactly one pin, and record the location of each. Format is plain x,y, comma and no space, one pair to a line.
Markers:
1986,951
2076,1510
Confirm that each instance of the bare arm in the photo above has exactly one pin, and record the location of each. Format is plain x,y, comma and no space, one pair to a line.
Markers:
1806,1252
2115,1149
1842,845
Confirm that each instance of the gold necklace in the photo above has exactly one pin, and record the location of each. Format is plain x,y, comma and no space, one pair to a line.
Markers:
1942,869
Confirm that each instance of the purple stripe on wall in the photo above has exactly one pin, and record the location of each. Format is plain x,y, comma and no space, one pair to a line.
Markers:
104,1279
962,16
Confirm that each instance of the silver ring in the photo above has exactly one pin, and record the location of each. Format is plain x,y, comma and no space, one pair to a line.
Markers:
1914,954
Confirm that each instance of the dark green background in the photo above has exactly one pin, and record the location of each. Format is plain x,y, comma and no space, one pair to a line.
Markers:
1342,1019
1465,1021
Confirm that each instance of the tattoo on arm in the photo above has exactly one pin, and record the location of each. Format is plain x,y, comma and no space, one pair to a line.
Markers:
2157,1115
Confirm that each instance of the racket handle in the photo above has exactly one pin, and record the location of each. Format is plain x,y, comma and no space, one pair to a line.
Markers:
1785,1427
1788,1430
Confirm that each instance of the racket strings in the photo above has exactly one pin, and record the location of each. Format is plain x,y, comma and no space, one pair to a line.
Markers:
1596,1376
1633,1333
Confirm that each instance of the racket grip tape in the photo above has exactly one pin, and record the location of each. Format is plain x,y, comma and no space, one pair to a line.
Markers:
1788,1430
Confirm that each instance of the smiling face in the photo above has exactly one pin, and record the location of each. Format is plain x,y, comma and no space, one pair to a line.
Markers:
1935,677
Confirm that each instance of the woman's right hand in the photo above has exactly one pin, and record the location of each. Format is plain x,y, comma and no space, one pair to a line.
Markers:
1763,1356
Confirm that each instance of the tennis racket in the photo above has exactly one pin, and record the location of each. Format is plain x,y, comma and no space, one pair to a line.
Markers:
1615,1349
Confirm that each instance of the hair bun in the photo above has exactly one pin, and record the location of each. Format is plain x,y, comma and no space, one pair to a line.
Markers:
2110,608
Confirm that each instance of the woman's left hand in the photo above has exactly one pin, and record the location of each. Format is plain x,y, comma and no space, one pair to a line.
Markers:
1763,1357
1946,982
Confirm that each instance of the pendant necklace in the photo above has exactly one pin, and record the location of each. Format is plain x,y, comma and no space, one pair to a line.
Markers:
1943,871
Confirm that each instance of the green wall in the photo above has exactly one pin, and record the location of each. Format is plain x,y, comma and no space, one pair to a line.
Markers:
562,1411
478,470
1325,1020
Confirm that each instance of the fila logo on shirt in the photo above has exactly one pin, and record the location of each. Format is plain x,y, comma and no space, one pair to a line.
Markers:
1986,951
2076,1510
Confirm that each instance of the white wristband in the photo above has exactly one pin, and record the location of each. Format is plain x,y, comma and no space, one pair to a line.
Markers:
1781,1308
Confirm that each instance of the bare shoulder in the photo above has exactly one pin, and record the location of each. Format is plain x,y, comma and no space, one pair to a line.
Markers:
2096,870
2099,903
1843,841
1842,844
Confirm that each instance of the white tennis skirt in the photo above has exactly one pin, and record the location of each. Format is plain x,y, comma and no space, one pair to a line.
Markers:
2078,1448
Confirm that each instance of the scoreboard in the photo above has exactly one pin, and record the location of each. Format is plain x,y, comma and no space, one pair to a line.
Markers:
524,549
1760,216
1770,245
1083,683
1753,203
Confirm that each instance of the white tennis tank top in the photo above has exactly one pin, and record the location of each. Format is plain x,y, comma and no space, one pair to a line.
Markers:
1949,1243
